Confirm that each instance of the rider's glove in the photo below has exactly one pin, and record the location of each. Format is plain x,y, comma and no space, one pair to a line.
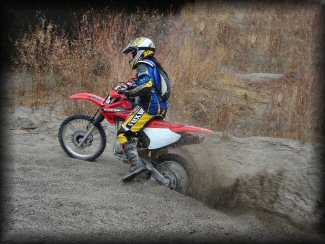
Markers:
121,89
130,83
127,93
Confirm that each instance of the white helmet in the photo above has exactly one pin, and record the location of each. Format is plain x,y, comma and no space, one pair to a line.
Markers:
140,48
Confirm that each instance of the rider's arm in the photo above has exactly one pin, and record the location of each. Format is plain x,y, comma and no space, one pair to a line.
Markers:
144,82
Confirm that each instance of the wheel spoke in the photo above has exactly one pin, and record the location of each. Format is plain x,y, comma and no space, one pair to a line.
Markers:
176,174
73,131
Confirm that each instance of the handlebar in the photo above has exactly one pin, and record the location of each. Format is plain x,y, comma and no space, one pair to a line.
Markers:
114,88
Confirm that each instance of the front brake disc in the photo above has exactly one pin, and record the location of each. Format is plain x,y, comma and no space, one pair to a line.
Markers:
77,136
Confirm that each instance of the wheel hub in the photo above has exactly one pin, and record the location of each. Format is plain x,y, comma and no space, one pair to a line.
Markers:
173,179
175,174
77,136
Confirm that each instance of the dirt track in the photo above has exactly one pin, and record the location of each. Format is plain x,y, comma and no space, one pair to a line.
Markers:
54,197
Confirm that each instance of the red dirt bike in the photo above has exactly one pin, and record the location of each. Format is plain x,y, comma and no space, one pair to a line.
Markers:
82,136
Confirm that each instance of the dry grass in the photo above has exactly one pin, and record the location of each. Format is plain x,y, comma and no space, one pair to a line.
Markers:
202,48
90,61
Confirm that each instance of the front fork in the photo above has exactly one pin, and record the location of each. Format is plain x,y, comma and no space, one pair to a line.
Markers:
98,120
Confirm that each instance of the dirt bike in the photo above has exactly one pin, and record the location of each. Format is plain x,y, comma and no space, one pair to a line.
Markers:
83,137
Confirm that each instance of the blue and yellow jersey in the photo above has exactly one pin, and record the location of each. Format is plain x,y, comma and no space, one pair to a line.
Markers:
148,88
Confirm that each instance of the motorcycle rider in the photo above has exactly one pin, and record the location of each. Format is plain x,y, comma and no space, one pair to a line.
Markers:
152,87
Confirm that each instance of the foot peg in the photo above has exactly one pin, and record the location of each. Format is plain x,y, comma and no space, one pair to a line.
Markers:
131,175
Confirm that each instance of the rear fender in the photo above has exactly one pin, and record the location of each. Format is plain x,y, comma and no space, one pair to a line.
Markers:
90,97
160,137
177,128
162,134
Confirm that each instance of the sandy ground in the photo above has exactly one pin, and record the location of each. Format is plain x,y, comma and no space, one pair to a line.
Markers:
54,197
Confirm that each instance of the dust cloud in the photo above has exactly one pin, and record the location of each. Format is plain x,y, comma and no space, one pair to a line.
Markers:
275,175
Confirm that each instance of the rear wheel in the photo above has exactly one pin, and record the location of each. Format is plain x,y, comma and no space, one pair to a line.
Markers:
72,131
176,169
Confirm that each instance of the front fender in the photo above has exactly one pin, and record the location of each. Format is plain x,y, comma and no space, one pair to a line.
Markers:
90,97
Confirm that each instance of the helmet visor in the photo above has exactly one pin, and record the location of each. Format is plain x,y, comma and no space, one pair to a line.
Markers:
131,55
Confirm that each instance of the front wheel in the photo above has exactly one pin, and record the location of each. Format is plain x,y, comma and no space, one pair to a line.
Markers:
72,131
176,169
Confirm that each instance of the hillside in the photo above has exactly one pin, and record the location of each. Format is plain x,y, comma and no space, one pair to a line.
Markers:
241,68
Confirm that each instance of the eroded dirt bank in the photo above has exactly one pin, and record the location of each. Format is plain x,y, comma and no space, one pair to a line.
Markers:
54,197
277,175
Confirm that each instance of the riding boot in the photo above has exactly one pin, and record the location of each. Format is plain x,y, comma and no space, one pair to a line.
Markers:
137,166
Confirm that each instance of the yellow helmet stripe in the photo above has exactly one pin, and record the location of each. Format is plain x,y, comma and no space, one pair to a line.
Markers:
139,41
147,53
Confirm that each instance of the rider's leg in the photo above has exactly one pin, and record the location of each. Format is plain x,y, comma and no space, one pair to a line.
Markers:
134,123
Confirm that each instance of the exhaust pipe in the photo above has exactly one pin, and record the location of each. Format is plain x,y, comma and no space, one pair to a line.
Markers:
189,139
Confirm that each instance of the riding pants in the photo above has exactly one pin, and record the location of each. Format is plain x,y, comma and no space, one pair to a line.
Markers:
134,123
